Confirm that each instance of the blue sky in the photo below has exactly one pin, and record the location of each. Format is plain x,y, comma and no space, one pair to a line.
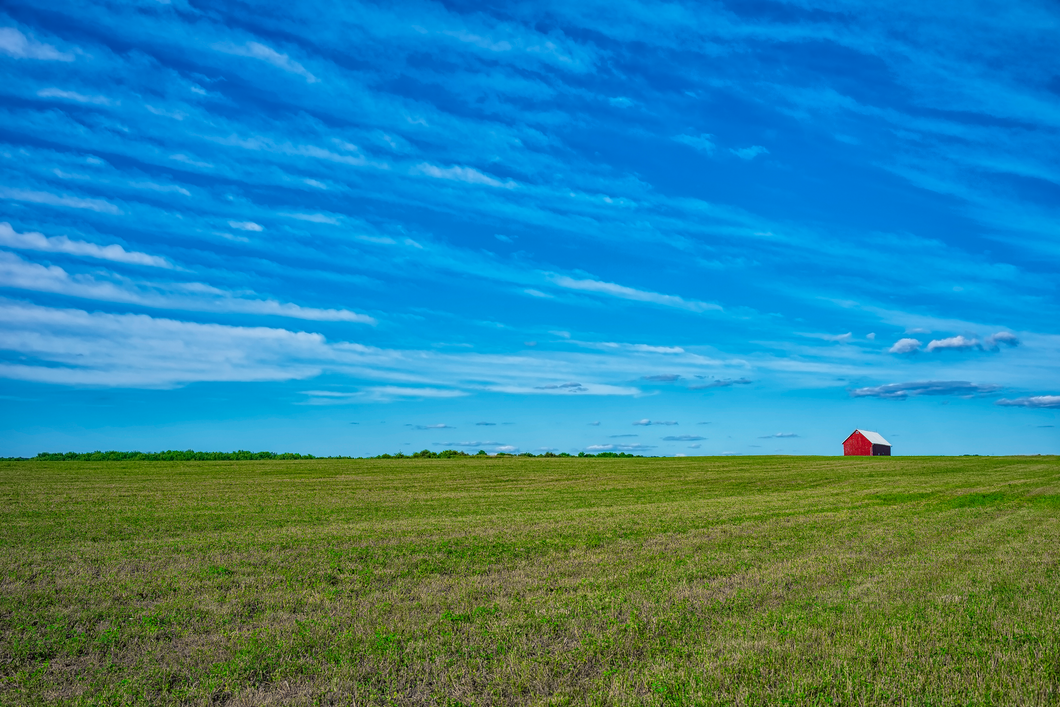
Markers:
725,228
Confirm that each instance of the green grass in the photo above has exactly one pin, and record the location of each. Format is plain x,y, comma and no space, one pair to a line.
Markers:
795,580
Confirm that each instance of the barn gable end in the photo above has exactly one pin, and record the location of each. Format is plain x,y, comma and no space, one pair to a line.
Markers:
864,443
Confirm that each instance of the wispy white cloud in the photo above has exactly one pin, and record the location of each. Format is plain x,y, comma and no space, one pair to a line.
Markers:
646,422
953,342
379,240
348,154
232,237
246,226
720,383
10,238
14,43
322,398
395,391
196,297
565,389
510,41
749,153
381,393
161,188
472,443
622,292
618,346
256,50
73,96
73,202
899,391
184,159
619,447
841,338
1034,401
174,114
703,142
314,218
457,173
648,348
131,350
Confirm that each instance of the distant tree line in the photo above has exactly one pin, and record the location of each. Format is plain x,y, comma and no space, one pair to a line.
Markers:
450,453
171,455
191,455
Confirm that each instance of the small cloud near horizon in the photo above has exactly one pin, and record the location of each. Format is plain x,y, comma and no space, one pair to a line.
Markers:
904,346
573,387
619,447
1033,401
841,338
721,383
964,343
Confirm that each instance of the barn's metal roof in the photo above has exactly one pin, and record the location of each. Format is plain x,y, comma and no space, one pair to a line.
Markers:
874,437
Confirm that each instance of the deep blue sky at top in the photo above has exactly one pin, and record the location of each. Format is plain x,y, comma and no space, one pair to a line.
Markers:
732,227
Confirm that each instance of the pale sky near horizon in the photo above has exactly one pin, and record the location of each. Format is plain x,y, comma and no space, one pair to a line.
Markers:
663,228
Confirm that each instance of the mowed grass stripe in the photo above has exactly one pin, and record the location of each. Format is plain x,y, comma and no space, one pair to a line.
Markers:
526,581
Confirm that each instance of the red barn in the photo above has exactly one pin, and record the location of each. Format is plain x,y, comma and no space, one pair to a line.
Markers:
862,443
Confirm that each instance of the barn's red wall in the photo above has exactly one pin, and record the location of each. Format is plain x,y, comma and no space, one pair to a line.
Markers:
857,445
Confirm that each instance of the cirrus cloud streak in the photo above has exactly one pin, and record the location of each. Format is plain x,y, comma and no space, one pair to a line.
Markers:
901,391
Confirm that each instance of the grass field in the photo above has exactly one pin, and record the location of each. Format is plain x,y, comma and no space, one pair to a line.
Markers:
769,580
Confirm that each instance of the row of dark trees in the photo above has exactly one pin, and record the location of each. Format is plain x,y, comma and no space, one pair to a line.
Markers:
243,455
450,453
171,455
